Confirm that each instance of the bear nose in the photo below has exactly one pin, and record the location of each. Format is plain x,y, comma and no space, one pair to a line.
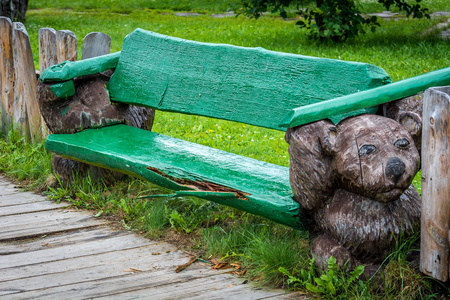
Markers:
395,167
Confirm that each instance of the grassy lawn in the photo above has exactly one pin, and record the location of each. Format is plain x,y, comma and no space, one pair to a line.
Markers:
398,46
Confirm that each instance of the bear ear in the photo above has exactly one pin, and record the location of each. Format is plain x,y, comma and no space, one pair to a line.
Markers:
328,138
412,122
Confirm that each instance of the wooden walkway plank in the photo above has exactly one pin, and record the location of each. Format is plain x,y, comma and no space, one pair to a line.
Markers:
47,252
8,190
37,227
66,252
43,217
21,198
113,286
58,240
30,207
214,287
115,269
96,260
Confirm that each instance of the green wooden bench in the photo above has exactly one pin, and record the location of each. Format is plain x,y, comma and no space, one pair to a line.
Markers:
248,85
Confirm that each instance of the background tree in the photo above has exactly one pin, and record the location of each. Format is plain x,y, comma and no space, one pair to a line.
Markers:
14,9
334,20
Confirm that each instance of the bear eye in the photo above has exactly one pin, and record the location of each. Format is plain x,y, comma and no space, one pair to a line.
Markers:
367,149
401,143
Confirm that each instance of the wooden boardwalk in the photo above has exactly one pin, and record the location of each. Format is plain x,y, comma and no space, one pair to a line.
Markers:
51,251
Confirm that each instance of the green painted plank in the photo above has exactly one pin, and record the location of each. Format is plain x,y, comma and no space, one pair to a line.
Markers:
376,96
248,85
71,69
132,151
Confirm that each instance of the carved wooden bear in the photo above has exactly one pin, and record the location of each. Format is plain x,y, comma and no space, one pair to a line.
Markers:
88,107
354,182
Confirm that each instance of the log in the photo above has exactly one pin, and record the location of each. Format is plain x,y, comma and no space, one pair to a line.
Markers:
66,46
47,48
26,108
96,44
6,73
434,255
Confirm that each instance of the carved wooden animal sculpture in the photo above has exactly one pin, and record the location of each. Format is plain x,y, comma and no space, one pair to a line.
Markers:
354,182
89,107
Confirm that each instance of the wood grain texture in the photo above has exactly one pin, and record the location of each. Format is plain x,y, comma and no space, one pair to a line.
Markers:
6,73
95,44
41,223
353,181
29,207
379,95
47,48
27,113
434,248
100,262
248,85
126,149
22,198
66,46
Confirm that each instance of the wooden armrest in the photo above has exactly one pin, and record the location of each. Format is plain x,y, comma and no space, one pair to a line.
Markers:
345,104
70,69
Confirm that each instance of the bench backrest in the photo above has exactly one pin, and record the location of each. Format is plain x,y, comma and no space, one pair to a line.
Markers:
248,85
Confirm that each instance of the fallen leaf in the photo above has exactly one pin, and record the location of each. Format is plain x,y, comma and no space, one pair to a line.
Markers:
235,265
156,253
220,266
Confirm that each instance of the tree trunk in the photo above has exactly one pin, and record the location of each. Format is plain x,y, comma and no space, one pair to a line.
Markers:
14,9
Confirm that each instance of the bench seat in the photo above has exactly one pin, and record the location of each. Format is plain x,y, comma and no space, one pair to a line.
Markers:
187,168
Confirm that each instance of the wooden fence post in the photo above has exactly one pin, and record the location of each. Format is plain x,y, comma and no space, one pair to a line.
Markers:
435,234
26,107
6,73
96,44
66,46
47,48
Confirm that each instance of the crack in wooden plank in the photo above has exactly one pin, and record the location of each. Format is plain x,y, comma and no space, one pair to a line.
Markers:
202,185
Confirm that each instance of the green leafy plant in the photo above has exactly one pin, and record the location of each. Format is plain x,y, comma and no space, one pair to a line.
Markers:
335,20
333,284
177,221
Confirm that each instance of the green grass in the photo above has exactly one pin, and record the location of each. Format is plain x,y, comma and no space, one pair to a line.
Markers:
260,245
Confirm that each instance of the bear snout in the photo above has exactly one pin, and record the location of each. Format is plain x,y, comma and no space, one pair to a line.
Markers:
395,168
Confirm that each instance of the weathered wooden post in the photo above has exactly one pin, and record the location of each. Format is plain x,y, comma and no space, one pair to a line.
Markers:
26,108
435,234
47,48
66,46
6,72
96,44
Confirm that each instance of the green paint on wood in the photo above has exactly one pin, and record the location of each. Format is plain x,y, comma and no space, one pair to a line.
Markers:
63,89
71,69
248,85
379,95
139,152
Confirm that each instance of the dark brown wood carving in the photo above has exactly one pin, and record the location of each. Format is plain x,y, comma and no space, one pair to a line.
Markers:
354,182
